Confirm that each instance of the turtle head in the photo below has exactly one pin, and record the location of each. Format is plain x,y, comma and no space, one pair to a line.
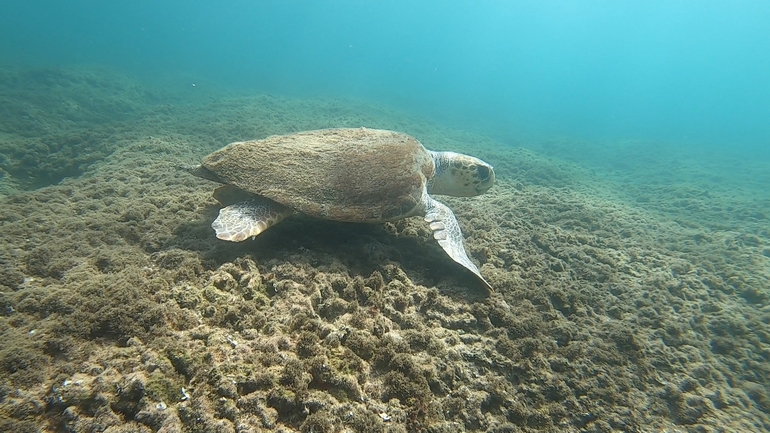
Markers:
460,175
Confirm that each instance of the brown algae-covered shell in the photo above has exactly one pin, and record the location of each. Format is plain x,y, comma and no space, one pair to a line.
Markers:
345,174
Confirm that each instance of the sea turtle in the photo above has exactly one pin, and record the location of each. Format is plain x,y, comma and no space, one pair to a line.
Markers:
346,174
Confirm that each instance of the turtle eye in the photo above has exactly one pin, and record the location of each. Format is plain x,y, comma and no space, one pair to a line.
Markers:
483,172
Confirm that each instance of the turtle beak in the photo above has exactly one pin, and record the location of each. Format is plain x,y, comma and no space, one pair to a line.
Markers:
485,173
486,176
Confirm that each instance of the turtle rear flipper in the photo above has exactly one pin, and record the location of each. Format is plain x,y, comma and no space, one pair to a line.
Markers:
247,219
446,230
202,172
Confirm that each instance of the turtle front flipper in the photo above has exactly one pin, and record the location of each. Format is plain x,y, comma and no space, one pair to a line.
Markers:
447,232
247,219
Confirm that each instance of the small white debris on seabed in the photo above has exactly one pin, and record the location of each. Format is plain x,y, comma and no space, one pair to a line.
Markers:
231,341
185,395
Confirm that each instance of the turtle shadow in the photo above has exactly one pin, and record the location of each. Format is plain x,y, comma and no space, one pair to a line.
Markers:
361,248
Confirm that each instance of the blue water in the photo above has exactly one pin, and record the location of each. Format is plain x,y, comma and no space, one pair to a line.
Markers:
685,71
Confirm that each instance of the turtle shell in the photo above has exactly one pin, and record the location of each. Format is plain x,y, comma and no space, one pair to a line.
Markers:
355,175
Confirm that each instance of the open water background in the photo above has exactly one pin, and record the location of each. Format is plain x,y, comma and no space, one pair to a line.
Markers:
689,73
